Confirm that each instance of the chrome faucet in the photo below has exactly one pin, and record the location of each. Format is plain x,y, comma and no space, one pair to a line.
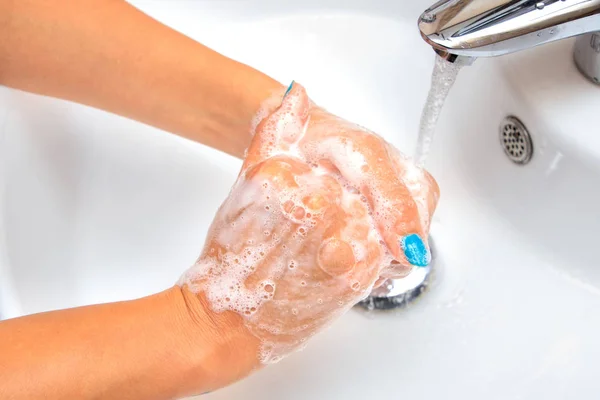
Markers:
468,29
461,31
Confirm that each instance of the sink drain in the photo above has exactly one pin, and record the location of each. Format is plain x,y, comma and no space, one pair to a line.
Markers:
516,141
396,293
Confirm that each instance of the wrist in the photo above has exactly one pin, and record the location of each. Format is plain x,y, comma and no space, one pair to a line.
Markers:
219,348
234,105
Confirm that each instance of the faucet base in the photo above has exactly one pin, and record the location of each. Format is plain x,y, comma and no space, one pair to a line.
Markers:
587,56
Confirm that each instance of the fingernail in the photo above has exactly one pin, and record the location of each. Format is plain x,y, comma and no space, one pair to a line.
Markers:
288,89
415,251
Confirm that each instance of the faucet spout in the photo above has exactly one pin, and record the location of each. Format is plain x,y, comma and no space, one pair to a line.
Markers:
486,28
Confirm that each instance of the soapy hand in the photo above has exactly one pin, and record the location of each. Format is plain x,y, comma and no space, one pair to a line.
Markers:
321,211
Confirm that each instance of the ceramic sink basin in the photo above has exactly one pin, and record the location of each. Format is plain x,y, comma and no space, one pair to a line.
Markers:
97,208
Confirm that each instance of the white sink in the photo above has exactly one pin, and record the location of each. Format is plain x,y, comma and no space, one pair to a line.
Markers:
96,208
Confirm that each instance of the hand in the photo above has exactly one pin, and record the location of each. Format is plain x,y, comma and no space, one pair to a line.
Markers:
401,197
321,210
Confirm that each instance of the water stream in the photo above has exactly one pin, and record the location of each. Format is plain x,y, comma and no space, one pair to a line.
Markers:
443,78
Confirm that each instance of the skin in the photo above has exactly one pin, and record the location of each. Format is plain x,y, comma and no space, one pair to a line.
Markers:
136,67
293,220
163,346
171,344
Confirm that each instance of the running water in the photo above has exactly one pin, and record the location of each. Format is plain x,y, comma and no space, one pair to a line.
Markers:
442,79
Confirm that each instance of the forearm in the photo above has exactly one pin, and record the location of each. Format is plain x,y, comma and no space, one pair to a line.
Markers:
159,347
109,55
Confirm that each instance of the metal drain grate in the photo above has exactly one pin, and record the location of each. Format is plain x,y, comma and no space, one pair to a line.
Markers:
516,141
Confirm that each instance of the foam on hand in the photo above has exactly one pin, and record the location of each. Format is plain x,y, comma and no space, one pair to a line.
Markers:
297,243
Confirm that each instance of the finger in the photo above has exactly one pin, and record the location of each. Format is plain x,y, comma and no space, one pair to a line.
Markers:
365,240
350,253
420,183
301,289
241,241
277,178
362,159
281,130
432,195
